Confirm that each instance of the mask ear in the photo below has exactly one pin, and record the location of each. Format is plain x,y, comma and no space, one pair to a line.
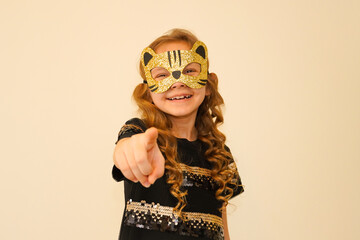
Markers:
147,55
200,48
147,58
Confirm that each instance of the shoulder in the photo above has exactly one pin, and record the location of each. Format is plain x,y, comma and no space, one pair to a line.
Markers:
136,123
131,127
231,158
235,183
232,164
227,148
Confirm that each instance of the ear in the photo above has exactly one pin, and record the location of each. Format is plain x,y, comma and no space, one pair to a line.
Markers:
147,55
200,48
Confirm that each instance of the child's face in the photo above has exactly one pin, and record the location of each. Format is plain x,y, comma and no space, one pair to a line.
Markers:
179,100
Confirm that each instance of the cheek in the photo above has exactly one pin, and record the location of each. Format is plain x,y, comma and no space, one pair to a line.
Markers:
156,97
202,92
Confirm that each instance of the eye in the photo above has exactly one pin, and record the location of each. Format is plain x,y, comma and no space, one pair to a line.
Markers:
192,69
159,73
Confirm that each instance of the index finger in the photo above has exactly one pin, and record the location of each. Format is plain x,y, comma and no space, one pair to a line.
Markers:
151,135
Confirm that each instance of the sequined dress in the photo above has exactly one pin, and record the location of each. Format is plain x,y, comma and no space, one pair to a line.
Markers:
148,212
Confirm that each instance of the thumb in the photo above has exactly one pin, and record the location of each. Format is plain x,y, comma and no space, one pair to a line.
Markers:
151,135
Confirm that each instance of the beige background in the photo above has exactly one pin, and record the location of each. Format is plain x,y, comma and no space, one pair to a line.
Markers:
289,73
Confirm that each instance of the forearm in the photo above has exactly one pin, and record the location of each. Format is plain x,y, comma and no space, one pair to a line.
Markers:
226,230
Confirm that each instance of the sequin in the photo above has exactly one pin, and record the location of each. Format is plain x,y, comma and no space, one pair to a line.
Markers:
201,178
163,218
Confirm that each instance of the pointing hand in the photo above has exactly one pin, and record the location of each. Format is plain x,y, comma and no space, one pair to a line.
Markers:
139,157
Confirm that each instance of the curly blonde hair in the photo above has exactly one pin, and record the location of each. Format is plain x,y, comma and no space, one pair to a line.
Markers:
209,117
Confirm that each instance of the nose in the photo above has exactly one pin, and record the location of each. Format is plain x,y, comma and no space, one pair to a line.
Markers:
176,74
178,85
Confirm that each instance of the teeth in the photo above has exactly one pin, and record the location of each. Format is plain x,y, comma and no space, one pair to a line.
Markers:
180,97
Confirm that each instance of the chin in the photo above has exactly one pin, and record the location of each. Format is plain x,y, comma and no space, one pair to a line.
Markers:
180,114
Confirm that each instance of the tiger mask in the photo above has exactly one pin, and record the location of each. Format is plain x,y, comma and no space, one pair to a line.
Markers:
174,63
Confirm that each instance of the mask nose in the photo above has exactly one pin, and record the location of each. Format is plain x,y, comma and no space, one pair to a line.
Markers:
176,74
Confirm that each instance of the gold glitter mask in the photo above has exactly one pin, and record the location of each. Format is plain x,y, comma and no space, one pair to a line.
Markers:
174,63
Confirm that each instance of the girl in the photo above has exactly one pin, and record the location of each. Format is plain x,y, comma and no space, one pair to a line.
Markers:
178,173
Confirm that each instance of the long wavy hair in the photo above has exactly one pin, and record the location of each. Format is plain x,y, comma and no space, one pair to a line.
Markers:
209,117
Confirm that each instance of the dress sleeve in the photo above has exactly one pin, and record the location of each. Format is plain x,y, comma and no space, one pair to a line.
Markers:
235,183
131,127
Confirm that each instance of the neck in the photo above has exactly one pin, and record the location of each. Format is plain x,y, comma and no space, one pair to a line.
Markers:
184,128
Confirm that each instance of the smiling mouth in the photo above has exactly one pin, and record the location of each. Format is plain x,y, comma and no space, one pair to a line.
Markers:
180,97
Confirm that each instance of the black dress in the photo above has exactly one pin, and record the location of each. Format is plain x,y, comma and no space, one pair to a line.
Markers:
148,212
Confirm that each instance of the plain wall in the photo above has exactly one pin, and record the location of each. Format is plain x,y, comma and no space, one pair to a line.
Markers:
289,74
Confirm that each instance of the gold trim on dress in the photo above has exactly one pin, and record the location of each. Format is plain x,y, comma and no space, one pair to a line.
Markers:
130,127
157,209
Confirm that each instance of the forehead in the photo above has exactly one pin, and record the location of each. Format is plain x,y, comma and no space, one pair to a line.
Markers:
170,46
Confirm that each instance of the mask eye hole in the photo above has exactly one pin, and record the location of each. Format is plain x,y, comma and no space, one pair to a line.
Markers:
159,73
192,69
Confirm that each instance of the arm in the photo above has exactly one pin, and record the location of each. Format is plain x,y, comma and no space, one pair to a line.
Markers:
226,230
